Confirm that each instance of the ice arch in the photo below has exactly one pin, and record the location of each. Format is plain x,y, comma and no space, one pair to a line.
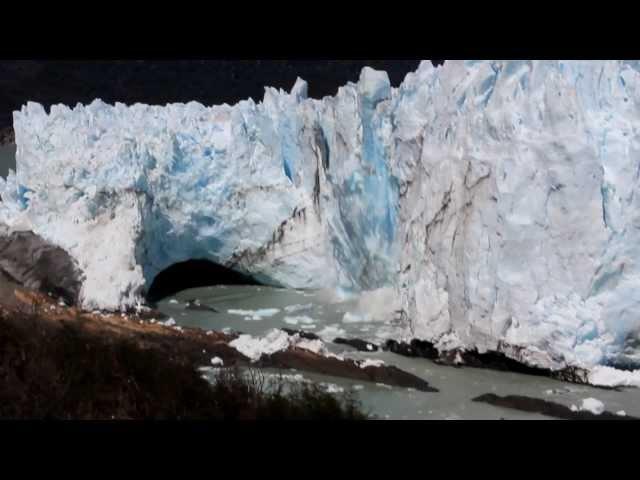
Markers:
192,274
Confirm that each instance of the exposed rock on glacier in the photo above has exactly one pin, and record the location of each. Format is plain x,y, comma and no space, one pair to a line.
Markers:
28,260
498,198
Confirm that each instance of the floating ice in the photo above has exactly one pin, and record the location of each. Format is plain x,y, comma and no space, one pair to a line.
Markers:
299,319
349,317
370,362
331,387
331,332
254,348
255,314
592,405
217,361
297,307
274,341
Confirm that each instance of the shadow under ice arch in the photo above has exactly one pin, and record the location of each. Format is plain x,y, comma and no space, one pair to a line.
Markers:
192,274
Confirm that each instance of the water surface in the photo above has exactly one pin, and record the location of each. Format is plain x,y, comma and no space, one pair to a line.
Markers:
265,308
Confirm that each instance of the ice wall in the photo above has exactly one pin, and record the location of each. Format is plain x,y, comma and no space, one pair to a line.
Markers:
518,209
498,198
280,190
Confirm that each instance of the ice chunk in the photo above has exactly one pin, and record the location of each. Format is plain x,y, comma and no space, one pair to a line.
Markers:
331,332
254,348
316,346
611,377
170,322
299,319
349,317
331,387
274,341
370,362
592,405
255,315
217,361
297,307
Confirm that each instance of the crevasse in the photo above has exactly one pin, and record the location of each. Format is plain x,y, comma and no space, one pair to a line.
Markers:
497,198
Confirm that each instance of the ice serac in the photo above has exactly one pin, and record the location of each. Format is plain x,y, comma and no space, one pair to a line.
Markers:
497,198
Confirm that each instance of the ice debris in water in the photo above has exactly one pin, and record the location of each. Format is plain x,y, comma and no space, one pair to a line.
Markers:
255,315
174,301
168,323
274,341
349,317
299,319
217,361
590,404
370,362
331,387
298,307
255,347
331,332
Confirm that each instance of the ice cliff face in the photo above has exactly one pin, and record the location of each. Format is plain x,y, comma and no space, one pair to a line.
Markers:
498,198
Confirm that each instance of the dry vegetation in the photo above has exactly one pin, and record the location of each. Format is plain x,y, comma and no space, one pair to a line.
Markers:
50,371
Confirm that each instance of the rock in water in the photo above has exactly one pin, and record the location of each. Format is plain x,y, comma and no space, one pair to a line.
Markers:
357,343
498,198
545,407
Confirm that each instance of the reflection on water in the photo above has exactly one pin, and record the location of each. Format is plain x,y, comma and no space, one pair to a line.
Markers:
255,310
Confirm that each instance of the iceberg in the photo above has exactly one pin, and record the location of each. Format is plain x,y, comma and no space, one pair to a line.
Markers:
497,199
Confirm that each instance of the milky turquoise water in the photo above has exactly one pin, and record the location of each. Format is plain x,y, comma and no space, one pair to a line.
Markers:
457,385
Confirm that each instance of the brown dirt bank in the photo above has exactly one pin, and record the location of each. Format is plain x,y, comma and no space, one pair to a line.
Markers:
70,365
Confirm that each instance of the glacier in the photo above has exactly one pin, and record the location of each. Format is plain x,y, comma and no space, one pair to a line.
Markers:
496,198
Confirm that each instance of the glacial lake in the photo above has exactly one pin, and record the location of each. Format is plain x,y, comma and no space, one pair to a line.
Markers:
255,310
